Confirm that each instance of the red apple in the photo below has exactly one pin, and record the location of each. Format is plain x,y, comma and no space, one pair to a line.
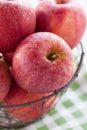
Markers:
8,57
65,18
5,79
29,112
42,63
17,20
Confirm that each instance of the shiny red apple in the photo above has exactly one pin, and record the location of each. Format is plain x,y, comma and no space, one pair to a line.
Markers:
42,63
65,18
17,20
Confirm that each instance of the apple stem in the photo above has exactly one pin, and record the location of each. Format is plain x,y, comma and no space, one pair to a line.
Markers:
53,57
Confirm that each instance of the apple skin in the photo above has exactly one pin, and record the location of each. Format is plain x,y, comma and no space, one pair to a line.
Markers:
65,18
17,20
5,79
26,113
42,63
8,57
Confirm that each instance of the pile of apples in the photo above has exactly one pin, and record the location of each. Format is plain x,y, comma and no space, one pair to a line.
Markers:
36,46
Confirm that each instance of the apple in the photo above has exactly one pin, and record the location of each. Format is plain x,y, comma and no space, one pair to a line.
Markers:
5,79
65,18
42,63
8,57
27,112
17,20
